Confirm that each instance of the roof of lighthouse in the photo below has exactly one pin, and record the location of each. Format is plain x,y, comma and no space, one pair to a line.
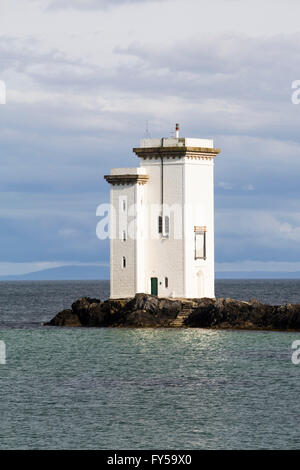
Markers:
177,142
177,147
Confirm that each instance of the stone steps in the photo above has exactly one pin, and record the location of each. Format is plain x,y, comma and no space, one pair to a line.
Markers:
183,315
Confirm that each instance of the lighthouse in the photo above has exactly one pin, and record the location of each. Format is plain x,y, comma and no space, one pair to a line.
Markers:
162,220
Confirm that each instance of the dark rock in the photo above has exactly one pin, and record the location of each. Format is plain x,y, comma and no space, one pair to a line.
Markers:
65,318
149,311
84,307
228,313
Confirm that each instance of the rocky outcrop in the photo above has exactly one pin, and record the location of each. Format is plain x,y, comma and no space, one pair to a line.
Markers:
141,311
66,318
228,313
144,311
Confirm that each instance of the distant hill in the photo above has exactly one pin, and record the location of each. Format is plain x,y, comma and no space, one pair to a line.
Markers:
74,273
64,273
257,275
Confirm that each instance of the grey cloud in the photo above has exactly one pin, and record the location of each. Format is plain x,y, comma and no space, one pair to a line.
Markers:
253,72
265,233
226,63
92,4
249,77
27,56
41,225
232,104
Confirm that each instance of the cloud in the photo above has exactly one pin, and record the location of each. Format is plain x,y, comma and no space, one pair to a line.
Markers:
224,185
257,234
248,187
92,4
219,75
50,226
246,79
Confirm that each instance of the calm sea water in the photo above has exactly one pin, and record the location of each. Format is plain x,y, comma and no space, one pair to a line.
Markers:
68,388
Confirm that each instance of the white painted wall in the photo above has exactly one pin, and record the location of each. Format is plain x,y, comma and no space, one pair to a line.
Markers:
163,255
199,211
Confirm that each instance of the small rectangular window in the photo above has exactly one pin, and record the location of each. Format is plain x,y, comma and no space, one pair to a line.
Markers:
124,262
166,282
200,242
160,224
124,205
167,225
124,236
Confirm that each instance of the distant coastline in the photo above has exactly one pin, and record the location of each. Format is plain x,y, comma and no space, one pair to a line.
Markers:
64,273
101,273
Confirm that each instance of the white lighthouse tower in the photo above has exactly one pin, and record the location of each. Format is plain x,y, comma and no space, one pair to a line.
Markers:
162,220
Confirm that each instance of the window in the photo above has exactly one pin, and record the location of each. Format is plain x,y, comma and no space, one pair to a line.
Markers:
167,225
160,220
166,282
124,205
124,262
124,236
200,242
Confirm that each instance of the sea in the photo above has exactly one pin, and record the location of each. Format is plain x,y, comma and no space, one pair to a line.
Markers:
111,388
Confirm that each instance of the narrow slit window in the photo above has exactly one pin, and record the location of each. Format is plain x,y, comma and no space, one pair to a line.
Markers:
124,236
200,242
167,225
166,282
124,205
124,262
160,220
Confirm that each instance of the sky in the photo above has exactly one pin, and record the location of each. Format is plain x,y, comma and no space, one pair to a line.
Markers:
83,77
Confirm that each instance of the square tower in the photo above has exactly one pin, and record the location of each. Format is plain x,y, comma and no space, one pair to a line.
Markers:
162,220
